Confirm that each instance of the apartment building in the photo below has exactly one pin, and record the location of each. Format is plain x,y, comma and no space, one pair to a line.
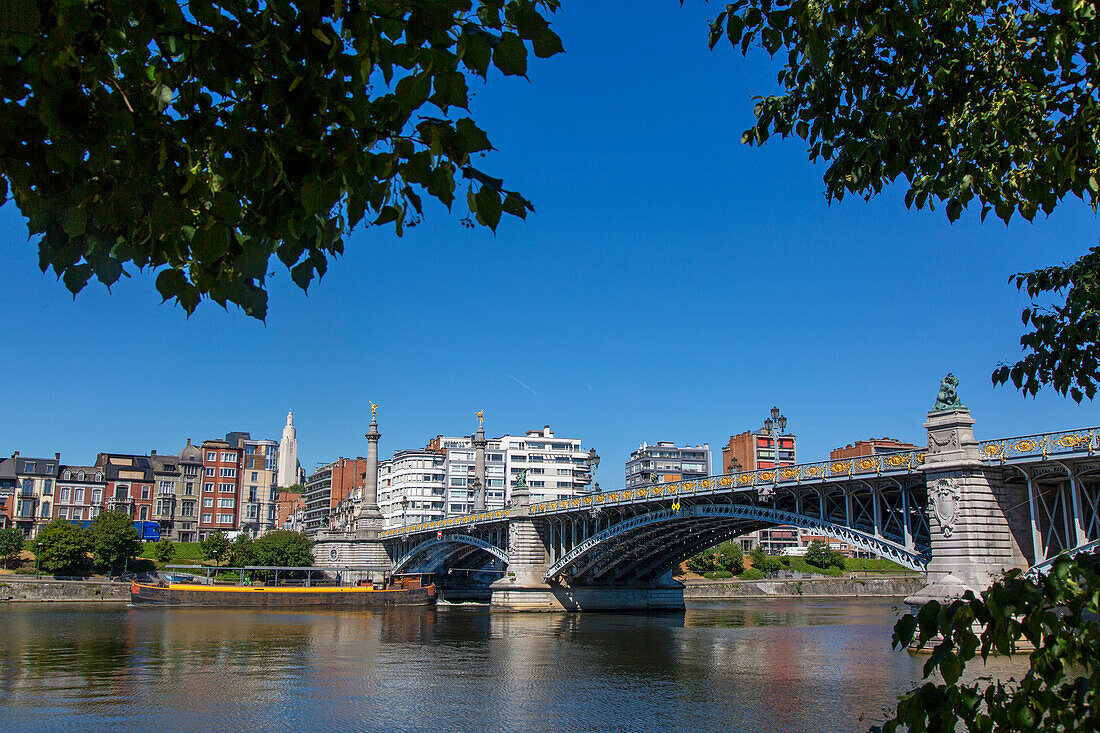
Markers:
870,447
80,493
412,486
35,480
664,462
755,449
220,491
130,483
259,485
7,492
328,486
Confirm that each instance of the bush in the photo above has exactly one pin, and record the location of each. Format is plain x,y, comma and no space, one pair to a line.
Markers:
164,551
764,562
1057,615
114,538
823,556
751,574
62,545
11,543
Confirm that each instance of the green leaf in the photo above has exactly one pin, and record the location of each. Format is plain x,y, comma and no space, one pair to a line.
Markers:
510,55
489,207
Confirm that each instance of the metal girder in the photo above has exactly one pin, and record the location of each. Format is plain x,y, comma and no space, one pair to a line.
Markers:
450,540
916,559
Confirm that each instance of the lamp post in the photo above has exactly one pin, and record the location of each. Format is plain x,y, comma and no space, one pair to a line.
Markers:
404,509
774,426
593,464
37,560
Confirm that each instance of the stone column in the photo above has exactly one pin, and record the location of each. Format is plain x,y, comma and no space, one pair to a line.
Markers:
370,486
972,540
479,468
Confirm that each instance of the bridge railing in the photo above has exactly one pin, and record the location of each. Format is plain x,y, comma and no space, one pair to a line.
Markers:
462,520
1043,444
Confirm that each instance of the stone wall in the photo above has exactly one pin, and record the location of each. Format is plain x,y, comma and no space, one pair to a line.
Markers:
62,590
806,588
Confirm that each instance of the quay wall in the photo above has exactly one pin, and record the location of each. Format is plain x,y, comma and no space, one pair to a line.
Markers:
804,588
48,589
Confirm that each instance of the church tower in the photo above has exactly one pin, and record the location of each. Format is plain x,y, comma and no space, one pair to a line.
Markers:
288,455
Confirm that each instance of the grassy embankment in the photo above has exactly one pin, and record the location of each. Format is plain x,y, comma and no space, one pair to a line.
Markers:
862,566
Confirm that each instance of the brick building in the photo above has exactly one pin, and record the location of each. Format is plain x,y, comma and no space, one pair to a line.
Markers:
870,447
328,486
221,487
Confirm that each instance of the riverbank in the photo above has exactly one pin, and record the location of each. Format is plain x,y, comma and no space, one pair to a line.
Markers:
870,587
18,589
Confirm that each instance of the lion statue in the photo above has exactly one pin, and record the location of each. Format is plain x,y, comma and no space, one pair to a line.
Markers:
948,397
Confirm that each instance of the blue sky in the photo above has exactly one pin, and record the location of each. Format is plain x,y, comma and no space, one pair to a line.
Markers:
672,285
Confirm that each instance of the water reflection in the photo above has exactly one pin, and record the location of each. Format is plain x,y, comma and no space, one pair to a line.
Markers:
792,665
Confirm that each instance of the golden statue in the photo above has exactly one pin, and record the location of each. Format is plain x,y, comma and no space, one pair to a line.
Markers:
373,408
479,417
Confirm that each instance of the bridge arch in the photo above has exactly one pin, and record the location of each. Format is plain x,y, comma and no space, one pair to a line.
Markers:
438,550
647,543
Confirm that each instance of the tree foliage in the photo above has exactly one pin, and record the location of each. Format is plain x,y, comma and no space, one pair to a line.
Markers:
764,562
283,548
200,138
242,551
64,546
820,554
215,547
164,550
704,562
114,538
731,557
11,543
1056,615
994,103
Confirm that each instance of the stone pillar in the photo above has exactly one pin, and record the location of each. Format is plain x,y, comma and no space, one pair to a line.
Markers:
479,468
370,486
972,540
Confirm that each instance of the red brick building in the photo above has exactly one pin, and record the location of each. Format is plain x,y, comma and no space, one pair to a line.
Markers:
220,487
870,447
755,449
129,483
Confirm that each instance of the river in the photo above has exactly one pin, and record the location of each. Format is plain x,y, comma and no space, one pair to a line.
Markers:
812,665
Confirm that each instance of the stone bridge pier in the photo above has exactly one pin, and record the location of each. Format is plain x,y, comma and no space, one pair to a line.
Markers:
524,586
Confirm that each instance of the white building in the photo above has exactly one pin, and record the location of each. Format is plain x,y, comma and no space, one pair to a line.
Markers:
288,472
411,487
665,463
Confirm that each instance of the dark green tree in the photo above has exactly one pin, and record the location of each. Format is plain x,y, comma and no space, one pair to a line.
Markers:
993,103
114,539
64,546
242,551
816,554
164,550
11,543
704,562
731,557
198,138
284,548
1057,616
764,562
215,547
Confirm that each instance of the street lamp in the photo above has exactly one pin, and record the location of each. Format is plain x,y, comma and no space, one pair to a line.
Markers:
404,509
774,426
593,464
37,560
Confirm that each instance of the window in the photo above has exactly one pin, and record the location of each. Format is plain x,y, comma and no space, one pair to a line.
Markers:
97,496
68,475
78,496
98,477
47,486
211,456
94,512
227,472
496,483
166,487
210,471
207,518
144,492
121,492
225,519
144,512
226,503
80,476
63,513
208,486
189,488
255,476
250,450
538,483
29,468
187,509
458,481
229,457
227,488
208,501
65,496
45,509
565,471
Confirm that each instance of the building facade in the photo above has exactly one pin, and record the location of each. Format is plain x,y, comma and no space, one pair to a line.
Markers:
664,462
870,447
328,486
412,486
130,481
220,490
259,487
755,449
35,480
80,492
288,472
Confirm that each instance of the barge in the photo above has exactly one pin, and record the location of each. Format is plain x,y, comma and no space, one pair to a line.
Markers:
398,590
